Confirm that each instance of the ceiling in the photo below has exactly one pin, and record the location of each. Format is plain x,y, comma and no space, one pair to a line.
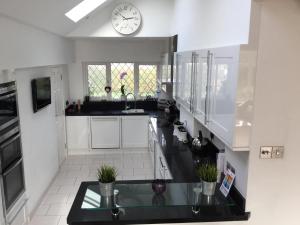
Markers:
48,15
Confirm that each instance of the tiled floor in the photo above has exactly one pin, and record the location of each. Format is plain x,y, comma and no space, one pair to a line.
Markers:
56,204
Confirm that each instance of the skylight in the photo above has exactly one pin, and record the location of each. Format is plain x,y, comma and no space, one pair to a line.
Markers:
83,9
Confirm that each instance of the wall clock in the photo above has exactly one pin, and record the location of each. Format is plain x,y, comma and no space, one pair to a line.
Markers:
126,19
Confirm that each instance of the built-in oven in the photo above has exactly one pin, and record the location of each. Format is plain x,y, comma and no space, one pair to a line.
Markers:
8,104
11,165
11,159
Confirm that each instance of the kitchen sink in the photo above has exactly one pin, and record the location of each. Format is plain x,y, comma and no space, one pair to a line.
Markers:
133,111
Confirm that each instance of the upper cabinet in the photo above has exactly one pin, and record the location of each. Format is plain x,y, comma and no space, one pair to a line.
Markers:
217,87
184,74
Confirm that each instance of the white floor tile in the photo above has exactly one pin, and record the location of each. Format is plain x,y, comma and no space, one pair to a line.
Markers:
42,210
63,220
55,199
131,165
45,220
59,209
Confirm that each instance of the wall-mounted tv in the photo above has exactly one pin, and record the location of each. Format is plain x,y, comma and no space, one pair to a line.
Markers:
41,93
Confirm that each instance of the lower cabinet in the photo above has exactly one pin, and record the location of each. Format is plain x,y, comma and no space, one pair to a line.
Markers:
105,132
135,131
78,132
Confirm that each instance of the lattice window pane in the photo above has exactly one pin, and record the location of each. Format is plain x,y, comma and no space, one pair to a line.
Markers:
116,82
147,80
97,80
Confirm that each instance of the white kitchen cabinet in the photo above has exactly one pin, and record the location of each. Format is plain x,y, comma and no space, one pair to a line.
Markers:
221,91
135,131
78,132
105,132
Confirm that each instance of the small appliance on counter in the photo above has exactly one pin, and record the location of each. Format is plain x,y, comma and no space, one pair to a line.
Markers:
198,143
180,132
176,125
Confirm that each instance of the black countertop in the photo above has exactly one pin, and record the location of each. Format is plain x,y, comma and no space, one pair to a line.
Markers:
182,161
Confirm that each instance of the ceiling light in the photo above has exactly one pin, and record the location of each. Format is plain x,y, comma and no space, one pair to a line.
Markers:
83,9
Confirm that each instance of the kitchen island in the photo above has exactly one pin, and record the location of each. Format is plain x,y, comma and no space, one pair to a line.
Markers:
138,204
135,202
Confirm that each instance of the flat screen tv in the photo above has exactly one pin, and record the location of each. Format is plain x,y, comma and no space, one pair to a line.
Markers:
41,93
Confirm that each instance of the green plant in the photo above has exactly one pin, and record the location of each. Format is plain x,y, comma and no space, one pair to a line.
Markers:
208,172
107,174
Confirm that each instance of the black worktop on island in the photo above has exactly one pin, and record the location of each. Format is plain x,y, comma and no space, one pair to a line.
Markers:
210,209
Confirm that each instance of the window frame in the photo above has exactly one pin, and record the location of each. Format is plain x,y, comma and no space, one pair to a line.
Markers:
108,77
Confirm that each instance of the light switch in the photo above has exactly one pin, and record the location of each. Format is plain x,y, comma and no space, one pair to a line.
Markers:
271,152
266,152
277,152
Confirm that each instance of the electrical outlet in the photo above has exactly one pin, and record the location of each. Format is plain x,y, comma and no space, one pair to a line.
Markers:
277,152
266,152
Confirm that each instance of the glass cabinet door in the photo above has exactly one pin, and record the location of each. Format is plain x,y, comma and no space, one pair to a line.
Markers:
201,85
184,78
221,97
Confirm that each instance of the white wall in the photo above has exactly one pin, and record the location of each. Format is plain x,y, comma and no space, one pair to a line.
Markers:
24,46
111,50
156,20
39,140
204,24
273,196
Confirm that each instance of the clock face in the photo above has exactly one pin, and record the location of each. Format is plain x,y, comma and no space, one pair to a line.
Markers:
126,19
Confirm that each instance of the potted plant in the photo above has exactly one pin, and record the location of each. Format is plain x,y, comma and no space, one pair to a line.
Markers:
208,174
107,177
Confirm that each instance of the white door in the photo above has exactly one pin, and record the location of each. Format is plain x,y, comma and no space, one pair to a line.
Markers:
105,132
201,78
222,96
135,131
58,93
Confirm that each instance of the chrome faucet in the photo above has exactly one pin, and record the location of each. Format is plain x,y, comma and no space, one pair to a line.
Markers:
126,106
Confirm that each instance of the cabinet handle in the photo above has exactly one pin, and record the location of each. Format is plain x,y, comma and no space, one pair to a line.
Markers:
161,163
104,119
194,64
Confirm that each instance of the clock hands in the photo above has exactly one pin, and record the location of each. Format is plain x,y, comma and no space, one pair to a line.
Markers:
124,18
129,18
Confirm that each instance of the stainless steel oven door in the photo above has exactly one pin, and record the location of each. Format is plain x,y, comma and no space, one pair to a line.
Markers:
13,185
10,151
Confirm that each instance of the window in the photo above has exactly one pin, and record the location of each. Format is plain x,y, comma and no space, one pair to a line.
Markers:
128,80
147,80
97,80
138,79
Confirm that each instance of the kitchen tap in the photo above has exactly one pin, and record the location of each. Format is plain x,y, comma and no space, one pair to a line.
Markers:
126,106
